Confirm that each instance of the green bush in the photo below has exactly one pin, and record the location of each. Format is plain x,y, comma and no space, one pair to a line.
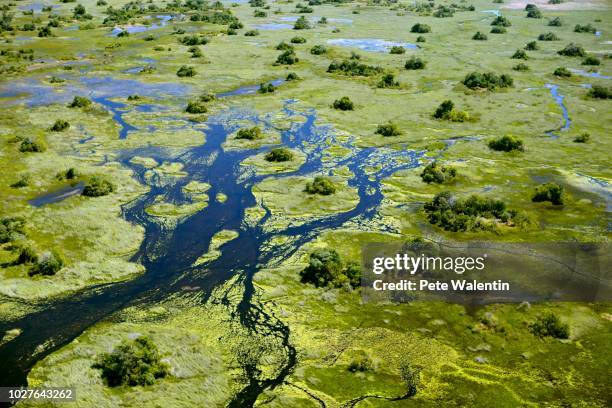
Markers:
208,97
506,144
555,22
479,36
298,40
320,185
420,28
45,31
415,63
420,39
552,192
344,104
550,325
498,30
279,154
326,269
32,146
292,76
361,365
388,81
23,181
252,33
318,50
549,36
487,80
97,186
79,102
186,71
135,362
411,378
582,138
520,54
591,60
266,88
287,58
123,33
260,14
444,12
194,40
444,109
196,107
195,52
27,255
501,21
302,24
562,72
600,92
585,29
11,228
572,50
48,265
69,174
397,49
434,173
532,46
521,67
249,133
60,125
353,68
283,46
388,129
534,13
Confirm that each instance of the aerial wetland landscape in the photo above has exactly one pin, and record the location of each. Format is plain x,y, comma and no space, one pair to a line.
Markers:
186,188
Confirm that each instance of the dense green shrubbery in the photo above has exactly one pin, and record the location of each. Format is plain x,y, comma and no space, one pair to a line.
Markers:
420,28
249,133
302,24
550,325
298,40
534,13
283,46
479,36
32,146
27,255
292,76
320,185
326,269
600,92
388,81
434,173
353,68
97,186
552,192
549,36
23,181
318,50
521,67
279,154
487,80
446,111
194,40
45,31
79,102
501,21
532,46
555,22
60,125
361,365
251,33
585,29
196,107
69,174
388,129
260,14
591,60
344,104
506,144
132,363
266,88
582,138
397,49
562,72
48,265
572,50
520,54
444,12
415,63
207,97
186,71
421,39
11,228
473,213
287,58
498,30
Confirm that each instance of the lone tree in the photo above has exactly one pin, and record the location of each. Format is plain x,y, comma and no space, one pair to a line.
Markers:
298,40
320,185
79,102
507,144
279,154
584,137
135,362
415,63
344,104
326,269
420,28
434,173
552,192
388,129
498,30
555,22
97,186
287,57
292,76
532,46
60,125
249,133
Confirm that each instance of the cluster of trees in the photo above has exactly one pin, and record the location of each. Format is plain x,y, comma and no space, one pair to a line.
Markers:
533,11
501,21
186,71
439,174
344,104
135,362
60,125
388,81
11,229
97,186
584,137
196,107
532,46
415,63
506,144
283,46
23,181
287,57
318,50
29,145
320,185
447,111
80,102
549,36
266,88
572,50
600,92
326,269
251,133
555,22
361,365
196,52
279,154
194,40
521,67
252,33
562,72
420,28
79,13
549,325
474,213
302,24
588,28
487,80
298,40
397,49
388,129
552,192
353,68
520,54
591,60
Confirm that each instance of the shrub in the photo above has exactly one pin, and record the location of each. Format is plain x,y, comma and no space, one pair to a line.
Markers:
487,80
135,362
501,21
534,13
287,58
555,22
186,71
444,12
195,52
344,104
415,63
388,81
318,50
48,265
27,255
196,107
362,365
444,109
123,33
292,76
420,28
133,97
298,40
479,36
69,174
520,54
251,33
591,60
207,97
279,154
320,185
353,68
24,181
194,40
550,325
532,46
600,92
521,67
582,138
249,133
397,49
548,37
149,37
266,88
506,144
434,173
60,125
388,129
572,50
32,146
236,25
552,192
97,186
45,31
326,269
260,13
562,72
411,377
79,102
283,46
11,228
498,30
585,29
301,24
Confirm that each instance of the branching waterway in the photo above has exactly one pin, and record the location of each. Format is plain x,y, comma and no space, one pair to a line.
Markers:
169,253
